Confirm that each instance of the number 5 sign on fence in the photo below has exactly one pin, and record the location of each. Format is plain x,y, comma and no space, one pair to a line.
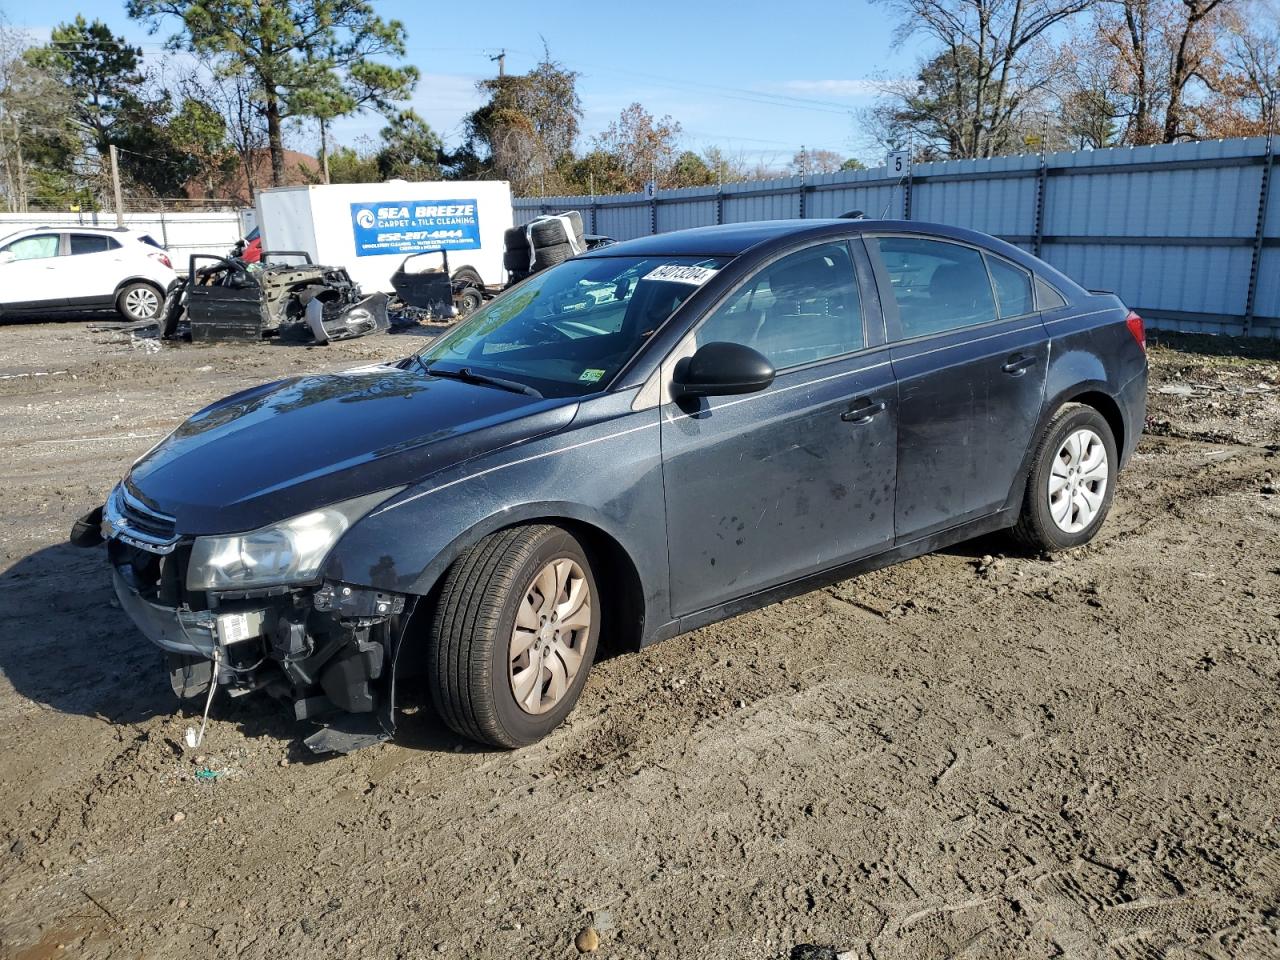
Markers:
900,163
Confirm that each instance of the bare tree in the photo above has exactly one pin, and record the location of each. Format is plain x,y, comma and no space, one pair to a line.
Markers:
1253,61
35,126
989,52
816,161
1195,54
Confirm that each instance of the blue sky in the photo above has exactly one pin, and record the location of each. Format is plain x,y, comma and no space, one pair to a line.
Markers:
757,78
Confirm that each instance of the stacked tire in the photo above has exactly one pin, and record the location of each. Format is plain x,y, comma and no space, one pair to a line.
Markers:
542,243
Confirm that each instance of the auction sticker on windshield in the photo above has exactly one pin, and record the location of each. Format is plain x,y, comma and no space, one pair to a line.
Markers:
678,273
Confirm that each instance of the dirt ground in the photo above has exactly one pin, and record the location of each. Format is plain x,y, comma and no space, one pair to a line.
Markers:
977,753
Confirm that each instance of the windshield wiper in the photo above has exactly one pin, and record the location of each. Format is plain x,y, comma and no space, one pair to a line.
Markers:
468,375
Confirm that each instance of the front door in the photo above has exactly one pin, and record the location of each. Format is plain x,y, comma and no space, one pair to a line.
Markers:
970,355
224,301
765,488
29,274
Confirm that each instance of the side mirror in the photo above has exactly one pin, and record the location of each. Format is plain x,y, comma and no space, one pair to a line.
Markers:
719,369
6,256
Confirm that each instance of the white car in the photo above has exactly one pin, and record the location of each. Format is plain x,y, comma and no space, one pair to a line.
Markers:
61,269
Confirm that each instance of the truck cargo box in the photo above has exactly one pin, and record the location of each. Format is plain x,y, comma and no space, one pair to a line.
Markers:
370,228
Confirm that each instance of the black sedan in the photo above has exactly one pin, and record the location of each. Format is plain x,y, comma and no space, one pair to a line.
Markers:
644,439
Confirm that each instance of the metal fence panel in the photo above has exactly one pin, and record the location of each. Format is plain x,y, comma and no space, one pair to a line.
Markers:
1267,304
1170,228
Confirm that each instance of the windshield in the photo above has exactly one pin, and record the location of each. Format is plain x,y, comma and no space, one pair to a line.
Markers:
569,330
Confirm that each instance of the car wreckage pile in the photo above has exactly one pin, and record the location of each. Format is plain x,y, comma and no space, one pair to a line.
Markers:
229,299
252,294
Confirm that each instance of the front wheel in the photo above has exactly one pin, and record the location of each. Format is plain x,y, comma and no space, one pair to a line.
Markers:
514,635
1072,481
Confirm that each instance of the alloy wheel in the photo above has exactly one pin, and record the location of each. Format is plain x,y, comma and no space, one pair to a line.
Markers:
142,303
550,636
1078,480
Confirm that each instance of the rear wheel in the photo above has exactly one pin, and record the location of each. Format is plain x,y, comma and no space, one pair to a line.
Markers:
1072,481
139,302
514,635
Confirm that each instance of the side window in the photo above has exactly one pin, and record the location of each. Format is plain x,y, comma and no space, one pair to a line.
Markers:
938,286
1048,298
38,247
802,308
91,243
1013,288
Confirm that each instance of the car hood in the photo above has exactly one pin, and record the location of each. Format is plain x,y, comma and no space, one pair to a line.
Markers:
284,448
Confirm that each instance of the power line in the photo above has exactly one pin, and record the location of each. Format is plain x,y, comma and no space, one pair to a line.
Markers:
788,144
738,93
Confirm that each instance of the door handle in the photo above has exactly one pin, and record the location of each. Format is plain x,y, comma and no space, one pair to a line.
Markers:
1018,364
863,411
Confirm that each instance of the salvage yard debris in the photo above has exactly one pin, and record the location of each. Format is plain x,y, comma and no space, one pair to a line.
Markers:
230,299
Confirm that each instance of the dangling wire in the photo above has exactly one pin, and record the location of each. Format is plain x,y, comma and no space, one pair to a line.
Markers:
195,739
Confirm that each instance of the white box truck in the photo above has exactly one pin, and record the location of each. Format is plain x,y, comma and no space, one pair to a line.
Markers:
370,228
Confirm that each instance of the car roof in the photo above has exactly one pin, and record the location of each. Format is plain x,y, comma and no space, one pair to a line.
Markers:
734,239
79,228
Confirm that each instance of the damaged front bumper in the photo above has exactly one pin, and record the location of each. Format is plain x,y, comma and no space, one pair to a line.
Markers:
327,649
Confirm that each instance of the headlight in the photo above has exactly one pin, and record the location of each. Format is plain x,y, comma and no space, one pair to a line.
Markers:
291,551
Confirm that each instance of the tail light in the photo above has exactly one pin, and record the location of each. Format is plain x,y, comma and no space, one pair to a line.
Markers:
1137,328
164,258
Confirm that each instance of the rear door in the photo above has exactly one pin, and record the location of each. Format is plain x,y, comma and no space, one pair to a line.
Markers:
765,488
970,354
91,270
29,277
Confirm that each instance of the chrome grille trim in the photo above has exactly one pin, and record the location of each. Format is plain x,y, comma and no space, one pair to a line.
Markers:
127,519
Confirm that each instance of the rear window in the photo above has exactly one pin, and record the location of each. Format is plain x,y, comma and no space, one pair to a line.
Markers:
92,243
1013,288
1048,297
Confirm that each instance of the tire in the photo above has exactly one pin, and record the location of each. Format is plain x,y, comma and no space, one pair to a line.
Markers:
139,302
515,239
544,257
546,233
1071,516
468,277
469,301
473,676
516,259
174,303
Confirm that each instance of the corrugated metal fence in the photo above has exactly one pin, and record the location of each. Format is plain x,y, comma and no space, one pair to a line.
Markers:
1183,232
182,234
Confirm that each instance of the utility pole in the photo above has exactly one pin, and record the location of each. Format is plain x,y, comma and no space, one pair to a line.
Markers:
115,185
502,62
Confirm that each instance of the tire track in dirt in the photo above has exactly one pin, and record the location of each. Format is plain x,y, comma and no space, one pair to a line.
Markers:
947,757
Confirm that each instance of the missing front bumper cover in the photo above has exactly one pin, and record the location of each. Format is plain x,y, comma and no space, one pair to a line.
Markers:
330,651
